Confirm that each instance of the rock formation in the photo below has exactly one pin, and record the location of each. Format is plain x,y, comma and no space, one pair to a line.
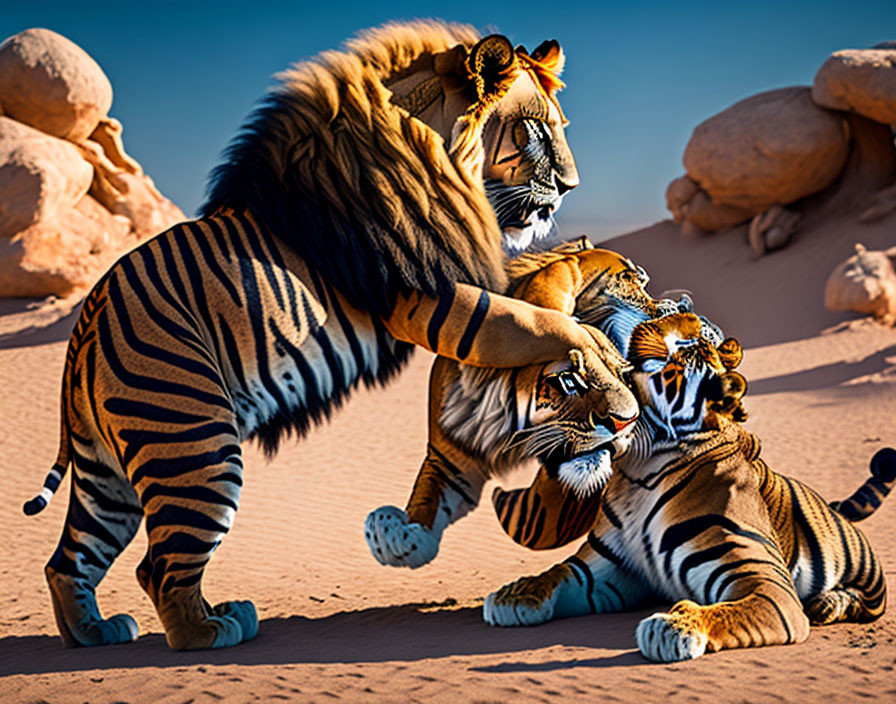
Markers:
71,200
775,157
866,283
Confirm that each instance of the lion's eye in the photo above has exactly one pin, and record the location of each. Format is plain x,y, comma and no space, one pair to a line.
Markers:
625,373
520,134
567,383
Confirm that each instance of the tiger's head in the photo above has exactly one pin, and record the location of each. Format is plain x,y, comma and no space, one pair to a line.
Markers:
683,376
577,410
496,108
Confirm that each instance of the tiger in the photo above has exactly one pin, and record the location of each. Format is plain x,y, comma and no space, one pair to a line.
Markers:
692,513
484,423
364,208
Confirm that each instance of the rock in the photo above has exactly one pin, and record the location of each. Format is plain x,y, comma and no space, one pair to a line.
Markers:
860,81
866,283
121,186
50,83
770,149
55,239
689,203
679,192
39,176
772,229
64,253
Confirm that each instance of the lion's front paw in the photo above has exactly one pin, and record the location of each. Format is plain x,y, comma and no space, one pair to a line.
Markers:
394,541
673,636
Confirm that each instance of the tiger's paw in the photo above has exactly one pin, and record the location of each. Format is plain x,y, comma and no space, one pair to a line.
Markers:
833,606
528,601
671,637
393,541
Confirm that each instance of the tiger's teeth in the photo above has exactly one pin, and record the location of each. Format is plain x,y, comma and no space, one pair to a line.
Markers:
593,419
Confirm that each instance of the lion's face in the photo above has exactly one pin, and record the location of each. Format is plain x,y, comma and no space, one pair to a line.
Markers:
528,164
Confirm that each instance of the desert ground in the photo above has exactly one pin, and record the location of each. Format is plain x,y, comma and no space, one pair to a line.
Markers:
335,625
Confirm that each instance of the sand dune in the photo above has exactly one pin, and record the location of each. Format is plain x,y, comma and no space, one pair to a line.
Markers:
336,625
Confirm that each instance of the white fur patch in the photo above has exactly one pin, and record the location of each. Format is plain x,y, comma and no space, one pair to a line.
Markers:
660,640
510,613
586,474
393,541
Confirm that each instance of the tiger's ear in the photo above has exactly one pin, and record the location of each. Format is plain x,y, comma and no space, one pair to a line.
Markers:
583,243
727,401
490,63
730,353
550,55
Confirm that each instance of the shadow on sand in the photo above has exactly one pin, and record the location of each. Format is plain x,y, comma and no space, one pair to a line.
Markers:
32,326
397,633
824,376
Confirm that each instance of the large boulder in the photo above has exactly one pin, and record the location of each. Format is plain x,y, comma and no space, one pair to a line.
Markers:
772,148
71,199
866,283
64,253
861,81
39,176
50,83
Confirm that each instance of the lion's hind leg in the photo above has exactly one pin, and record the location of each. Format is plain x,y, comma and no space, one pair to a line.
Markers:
103,516
190,501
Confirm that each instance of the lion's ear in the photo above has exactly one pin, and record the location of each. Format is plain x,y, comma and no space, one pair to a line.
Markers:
490,62
550,55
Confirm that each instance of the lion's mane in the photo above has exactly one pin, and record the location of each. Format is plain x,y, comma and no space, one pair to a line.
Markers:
363,191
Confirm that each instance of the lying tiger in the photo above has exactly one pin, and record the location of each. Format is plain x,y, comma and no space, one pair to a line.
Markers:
688,434
692,513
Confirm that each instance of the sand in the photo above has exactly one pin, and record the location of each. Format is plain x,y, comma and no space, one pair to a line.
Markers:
335,625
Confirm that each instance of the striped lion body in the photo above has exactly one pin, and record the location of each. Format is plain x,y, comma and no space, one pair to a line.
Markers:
692,514
155,422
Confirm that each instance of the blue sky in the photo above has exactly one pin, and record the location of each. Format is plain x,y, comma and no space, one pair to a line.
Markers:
640,75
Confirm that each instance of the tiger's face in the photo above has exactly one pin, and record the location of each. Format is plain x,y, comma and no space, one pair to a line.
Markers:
582,414
684,381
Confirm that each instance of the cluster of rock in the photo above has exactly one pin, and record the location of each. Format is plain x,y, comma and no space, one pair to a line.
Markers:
71,199
830,143
866,283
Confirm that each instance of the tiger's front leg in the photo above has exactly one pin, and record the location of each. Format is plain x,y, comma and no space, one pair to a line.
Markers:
442,494
448,486
592,581
759,606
